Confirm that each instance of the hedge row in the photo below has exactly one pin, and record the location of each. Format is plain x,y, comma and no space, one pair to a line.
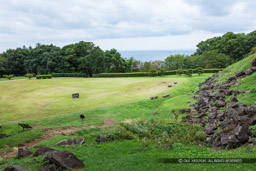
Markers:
145,74
129,74
69,75
44,76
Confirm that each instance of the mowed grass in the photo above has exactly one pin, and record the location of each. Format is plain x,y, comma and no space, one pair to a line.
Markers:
120,154
42,98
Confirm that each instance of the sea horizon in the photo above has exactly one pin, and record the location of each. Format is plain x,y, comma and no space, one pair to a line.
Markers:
152,55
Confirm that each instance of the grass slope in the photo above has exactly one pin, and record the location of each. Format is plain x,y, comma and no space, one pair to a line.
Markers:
121,155
43,98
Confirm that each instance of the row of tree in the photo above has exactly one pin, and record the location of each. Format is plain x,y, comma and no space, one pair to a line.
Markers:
85,57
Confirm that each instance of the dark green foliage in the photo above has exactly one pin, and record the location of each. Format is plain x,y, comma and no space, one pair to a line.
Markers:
199,70
152,73
49,76
159,131
69,75
189,72
179,72
131,74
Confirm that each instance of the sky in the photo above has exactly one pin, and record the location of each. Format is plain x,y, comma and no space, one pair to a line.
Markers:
122,24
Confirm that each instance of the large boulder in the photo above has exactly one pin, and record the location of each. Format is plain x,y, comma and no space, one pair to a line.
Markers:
15,168
64,159
241,132
23,151
42,150
248,71
229,140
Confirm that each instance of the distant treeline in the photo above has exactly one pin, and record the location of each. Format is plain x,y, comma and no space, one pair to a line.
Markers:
86,58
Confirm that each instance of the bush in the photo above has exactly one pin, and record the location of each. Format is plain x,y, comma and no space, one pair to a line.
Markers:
199,70
69,75
159,131
152,73
130,74
28,75
189,72
179,72
9,77
49,76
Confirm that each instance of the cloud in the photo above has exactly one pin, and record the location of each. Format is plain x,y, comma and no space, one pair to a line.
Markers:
27,22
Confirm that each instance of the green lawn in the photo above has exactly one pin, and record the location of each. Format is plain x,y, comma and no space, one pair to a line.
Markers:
102,98
14,78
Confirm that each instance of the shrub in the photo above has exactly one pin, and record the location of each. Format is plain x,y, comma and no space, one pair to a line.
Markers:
130,74
152,73
161,72
9,77
69,75
49,76
189,72
253,130
179,72
28,75
159,131
199,70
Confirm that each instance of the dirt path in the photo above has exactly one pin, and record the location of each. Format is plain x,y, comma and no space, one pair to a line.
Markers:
51,132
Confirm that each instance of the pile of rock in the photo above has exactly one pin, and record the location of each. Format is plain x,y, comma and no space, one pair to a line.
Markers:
224,122
71,141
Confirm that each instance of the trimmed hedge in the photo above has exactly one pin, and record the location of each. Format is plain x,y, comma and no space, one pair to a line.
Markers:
49,76
130,74
69,75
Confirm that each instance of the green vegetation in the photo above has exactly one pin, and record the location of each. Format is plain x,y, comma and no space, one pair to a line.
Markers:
28,75
9,77
49,76
151,136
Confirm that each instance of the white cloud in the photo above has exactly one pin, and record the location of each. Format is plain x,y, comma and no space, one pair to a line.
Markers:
27,22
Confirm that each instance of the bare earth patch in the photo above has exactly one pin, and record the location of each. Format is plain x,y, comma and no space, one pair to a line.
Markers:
51,132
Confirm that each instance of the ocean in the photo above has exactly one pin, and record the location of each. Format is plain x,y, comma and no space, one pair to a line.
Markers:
153,55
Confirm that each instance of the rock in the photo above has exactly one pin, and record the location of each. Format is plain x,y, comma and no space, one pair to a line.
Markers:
72,141
248,71
64,159
3,136
220,103
62,142
109,137
80,141
208,130
241,132
229,140
23,151
155,113
170,85
188,102
167,95
241,110
15,168
231,79
175,82
51,167
153,97
220,95
42,150
0,126
233,99
240,73
101,139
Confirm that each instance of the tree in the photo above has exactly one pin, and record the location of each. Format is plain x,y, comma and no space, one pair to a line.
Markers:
189,72
113,62
9,77
199,70
28,75
174,62
214,59
179,71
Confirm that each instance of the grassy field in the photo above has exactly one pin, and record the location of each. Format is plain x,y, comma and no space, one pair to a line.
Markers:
43,98
119,99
